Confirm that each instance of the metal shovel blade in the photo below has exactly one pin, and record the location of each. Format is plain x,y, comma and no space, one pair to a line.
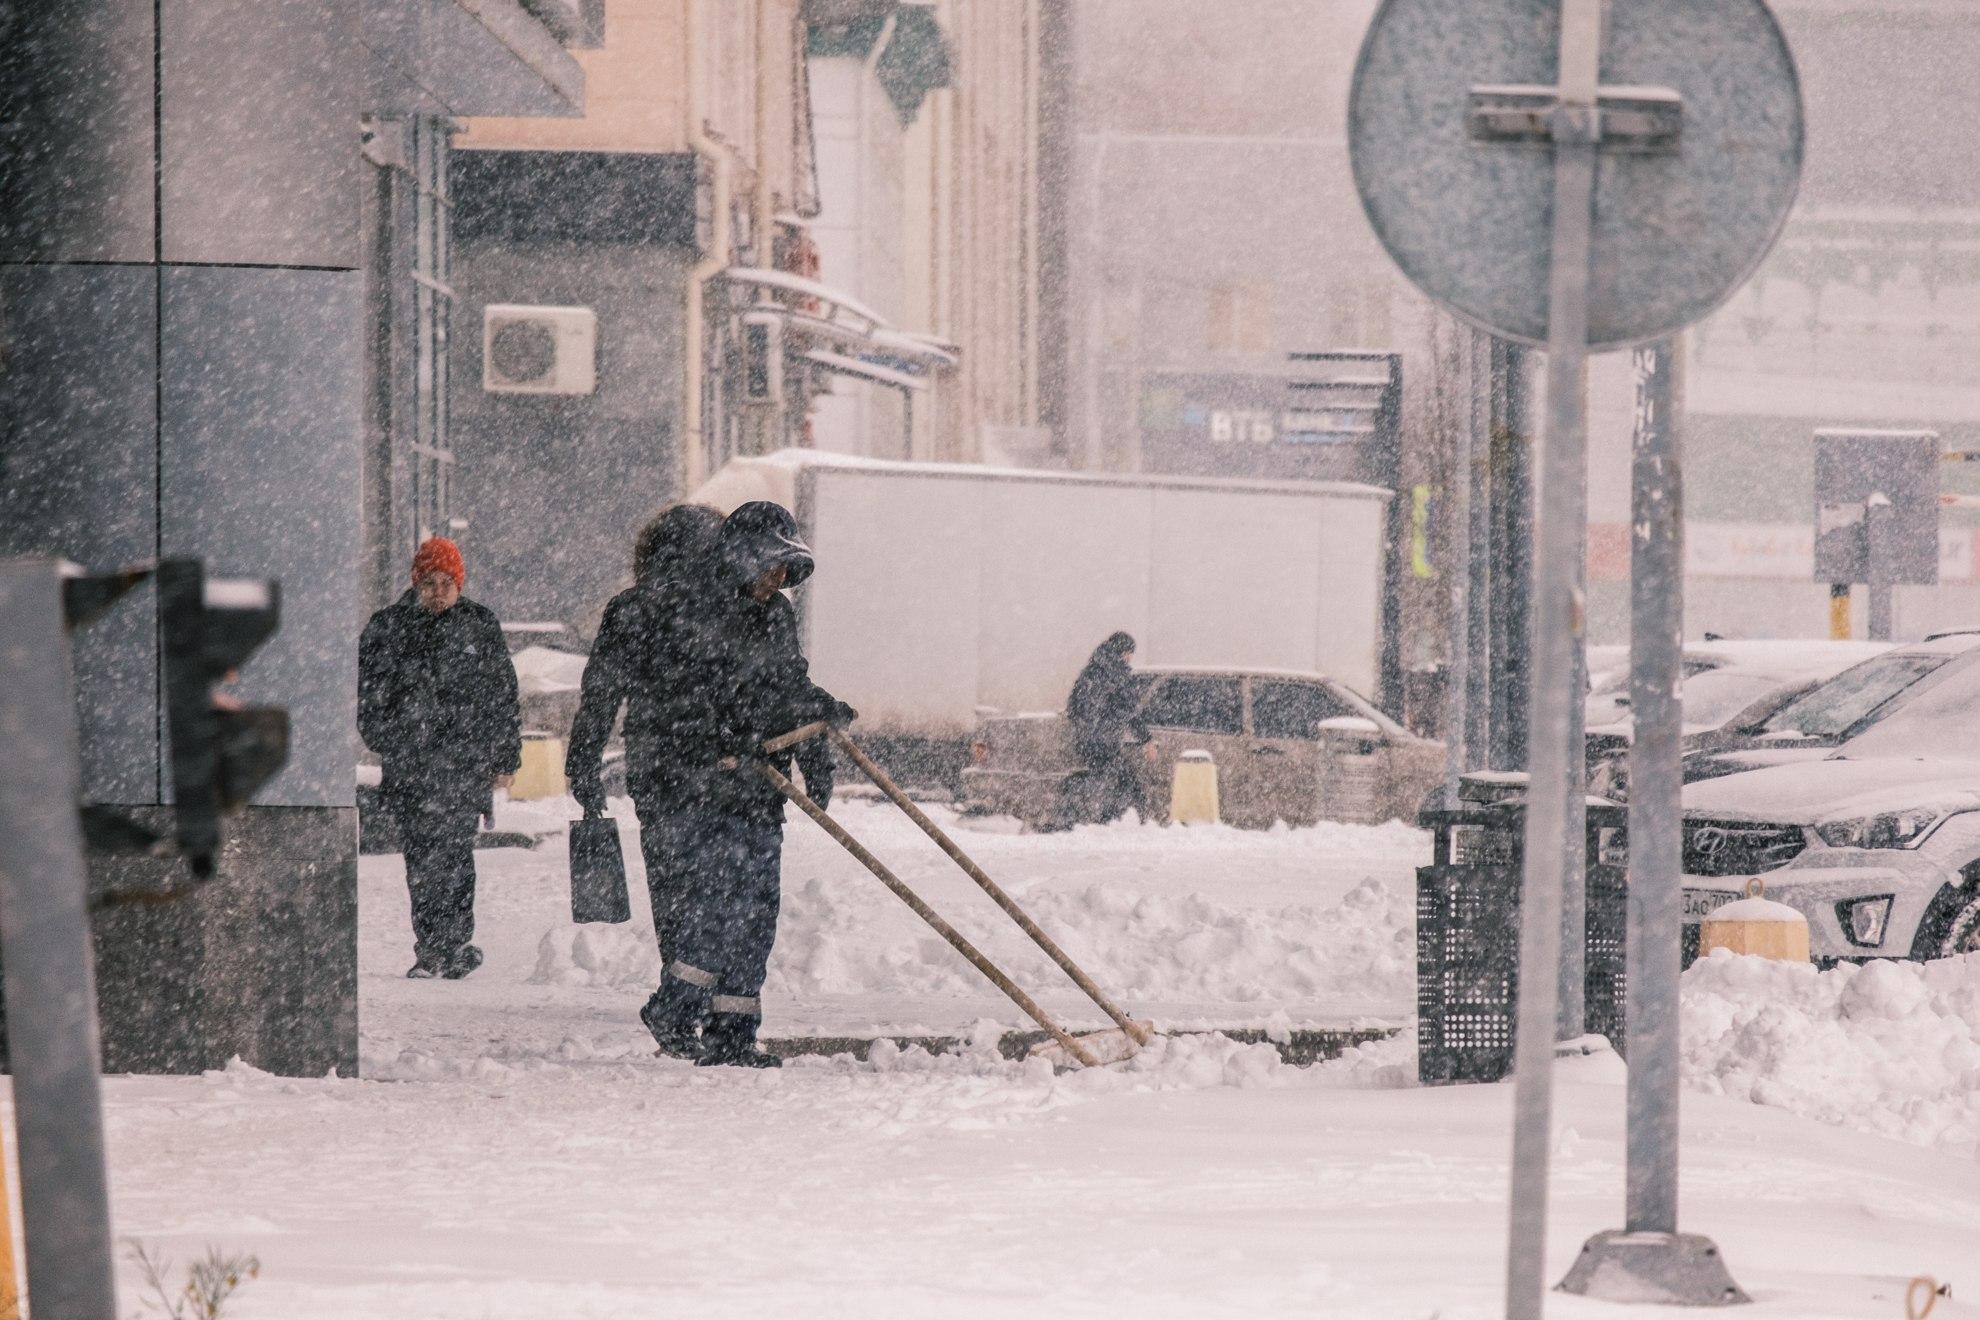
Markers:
1107,1047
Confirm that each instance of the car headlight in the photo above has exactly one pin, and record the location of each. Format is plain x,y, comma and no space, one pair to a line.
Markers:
1611,779
1865,920
1895,829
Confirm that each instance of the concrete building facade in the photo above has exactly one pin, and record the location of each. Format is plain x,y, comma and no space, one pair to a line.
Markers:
693,159
183,362
933,151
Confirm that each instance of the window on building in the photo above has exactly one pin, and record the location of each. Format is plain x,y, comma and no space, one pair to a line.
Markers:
1240,318
433,306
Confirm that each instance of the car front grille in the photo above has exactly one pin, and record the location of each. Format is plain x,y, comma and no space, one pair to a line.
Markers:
1720,847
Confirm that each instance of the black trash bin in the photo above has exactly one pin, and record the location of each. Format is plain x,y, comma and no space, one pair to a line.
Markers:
1467,931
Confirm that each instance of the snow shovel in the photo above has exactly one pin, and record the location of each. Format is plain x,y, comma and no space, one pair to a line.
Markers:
1088,1050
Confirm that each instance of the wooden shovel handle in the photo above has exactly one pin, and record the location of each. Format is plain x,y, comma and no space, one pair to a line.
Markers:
1135,1030
929,915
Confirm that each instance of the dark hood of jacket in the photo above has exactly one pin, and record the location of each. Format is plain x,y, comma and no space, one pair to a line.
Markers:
761,535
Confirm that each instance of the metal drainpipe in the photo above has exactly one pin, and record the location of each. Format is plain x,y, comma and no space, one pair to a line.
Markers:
711,265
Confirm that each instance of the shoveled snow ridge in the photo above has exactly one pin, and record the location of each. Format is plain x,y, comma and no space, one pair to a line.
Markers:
1888,1047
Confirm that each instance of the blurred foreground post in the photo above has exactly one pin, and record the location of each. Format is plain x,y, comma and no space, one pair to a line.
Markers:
50,969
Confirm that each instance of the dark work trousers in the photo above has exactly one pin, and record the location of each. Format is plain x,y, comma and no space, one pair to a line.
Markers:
436,834
666,867
1114,780
730,870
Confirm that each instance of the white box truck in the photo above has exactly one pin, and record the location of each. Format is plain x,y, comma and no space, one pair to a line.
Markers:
945,591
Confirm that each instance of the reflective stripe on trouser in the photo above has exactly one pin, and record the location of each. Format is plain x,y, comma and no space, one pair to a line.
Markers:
730,899
694,976
746,1004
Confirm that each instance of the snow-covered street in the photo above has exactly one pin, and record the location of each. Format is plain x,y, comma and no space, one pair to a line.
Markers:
514,1149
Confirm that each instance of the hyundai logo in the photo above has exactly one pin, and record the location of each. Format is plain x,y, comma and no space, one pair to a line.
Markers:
1708,841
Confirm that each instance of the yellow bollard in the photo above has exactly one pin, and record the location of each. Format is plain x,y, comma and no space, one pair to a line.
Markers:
541,774
1193,791
1839,611
10,1275
1756,925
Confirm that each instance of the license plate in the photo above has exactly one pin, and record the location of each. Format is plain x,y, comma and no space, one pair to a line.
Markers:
1702,903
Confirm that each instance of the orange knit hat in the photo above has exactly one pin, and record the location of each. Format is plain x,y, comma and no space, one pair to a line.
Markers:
439,555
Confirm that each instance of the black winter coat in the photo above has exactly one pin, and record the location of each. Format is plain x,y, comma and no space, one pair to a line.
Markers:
437,700
1101,708
705,673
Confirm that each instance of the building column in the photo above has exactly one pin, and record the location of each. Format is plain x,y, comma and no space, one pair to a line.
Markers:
180,327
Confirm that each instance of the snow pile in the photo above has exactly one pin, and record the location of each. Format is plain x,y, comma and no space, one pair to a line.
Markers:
840,938
624,956
1888,1047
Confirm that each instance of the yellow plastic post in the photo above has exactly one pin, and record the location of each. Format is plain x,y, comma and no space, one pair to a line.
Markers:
1839,611
10,1275
541,774
1756,925
1193,790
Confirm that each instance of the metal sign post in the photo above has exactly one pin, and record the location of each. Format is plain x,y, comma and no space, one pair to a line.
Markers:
50,977
1480,132
1649,1258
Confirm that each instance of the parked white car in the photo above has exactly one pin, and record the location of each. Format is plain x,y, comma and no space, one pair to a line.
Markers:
1877,844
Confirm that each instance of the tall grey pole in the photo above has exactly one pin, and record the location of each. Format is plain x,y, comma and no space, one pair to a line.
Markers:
50,975
1556,766
1478,598
1458,576
1511,511
1878,533
1656,887
1478,595
1649,1260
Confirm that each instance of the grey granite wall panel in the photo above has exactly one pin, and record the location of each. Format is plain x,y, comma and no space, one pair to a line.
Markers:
260,963
260,476
260,117
78,477
76,158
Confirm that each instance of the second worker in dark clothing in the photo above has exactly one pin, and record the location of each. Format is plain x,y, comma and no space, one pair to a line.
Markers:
728,672
676,570
1101,713
437,702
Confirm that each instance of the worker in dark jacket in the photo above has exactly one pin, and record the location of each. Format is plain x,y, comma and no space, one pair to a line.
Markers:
437,702
675,572
1105,732
733,675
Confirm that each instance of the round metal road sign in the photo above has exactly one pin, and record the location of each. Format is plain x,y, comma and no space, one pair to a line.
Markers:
1448,135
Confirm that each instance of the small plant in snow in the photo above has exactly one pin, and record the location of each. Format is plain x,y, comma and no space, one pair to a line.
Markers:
209,1283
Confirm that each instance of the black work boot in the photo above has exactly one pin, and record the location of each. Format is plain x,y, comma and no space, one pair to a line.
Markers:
730,1042
464,960
674,1015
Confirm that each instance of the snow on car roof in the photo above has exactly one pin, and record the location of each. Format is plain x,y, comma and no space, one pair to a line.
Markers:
1787,657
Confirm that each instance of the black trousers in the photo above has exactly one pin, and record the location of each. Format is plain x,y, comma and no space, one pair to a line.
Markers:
661,848
730,888
436,834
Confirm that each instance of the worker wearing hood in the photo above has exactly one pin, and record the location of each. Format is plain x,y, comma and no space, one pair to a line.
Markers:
740,678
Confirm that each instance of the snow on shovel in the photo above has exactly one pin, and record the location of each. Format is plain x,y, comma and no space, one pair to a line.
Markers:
1063,1049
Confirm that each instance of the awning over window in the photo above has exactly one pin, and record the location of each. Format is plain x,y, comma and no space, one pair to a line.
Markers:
829,317
840,364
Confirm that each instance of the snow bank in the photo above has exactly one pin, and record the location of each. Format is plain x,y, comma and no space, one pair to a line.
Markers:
1889,1047
1143,946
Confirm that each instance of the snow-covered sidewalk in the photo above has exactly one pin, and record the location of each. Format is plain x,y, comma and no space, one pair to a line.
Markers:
515,1150
1212,1181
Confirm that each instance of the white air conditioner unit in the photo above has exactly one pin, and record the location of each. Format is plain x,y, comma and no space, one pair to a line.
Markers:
538,350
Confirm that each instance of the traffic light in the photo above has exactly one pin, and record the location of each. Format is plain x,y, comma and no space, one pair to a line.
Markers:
221,751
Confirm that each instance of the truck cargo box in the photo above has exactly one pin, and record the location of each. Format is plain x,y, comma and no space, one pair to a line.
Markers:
946,589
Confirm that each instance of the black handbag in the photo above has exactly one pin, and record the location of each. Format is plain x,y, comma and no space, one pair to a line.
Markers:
598,872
